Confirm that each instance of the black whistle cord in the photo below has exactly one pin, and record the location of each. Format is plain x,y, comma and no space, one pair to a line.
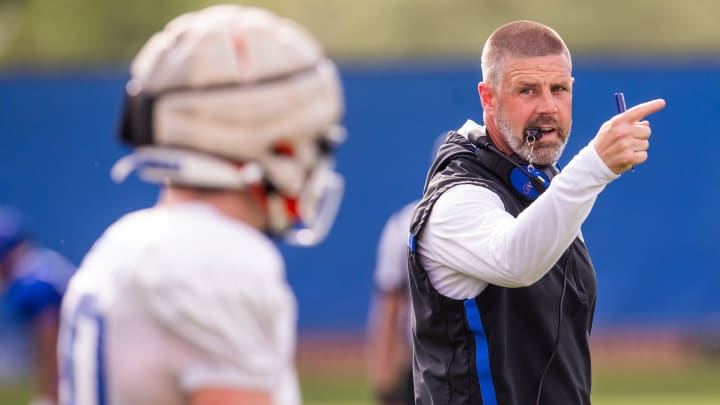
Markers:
557,332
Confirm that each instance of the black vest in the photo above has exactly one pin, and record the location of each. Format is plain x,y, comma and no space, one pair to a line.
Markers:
496,347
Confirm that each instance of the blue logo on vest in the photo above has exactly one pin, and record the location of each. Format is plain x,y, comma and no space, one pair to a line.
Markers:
522,184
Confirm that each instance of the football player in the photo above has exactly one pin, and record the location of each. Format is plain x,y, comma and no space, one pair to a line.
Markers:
235,112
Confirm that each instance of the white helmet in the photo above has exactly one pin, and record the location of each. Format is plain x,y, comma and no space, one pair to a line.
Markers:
230,96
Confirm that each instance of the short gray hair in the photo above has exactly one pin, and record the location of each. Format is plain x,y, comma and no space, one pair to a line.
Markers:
518,39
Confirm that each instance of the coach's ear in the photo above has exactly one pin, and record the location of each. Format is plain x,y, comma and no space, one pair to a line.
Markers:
487,97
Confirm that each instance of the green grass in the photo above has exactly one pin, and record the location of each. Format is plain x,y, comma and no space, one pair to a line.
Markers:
695,384
335,389
14,393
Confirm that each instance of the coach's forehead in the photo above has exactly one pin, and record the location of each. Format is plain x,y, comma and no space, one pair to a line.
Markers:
555,67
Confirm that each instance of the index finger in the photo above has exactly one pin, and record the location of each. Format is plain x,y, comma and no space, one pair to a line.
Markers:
642,110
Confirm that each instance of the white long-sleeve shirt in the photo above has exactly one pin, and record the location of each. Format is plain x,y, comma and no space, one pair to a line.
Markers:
470,241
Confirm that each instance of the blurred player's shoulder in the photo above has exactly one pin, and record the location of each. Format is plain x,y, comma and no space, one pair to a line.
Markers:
184,241
399,222
405,213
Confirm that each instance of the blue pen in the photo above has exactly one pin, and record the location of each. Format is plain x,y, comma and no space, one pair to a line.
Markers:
621,107
620,102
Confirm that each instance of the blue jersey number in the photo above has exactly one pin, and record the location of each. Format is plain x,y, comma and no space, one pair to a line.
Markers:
82,360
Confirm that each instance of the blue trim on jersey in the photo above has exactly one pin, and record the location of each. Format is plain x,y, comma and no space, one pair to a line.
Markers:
411,243
86,308
482,357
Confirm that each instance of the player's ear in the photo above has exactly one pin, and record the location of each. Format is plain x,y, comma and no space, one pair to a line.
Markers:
487,96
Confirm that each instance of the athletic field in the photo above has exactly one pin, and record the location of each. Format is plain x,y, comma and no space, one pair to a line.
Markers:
697,384
640,373
687,385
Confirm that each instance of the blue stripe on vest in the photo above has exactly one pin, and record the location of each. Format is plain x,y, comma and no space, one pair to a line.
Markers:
411,243
482,358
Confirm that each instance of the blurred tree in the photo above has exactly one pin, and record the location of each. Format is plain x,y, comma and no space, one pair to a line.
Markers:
82,32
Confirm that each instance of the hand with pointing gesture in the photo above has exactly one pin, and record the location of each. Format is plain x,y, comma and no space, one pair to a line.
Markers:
623,140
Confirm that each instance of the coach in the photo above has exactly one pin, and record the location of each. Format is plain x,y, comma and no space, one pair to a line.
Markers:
503,288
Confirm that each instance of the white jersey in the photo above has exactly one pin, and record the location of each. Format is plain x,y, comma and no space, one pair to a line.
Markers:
173,299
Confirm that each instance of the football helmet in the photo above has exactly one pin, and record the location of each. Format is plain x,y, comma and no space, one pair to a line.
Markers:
230,96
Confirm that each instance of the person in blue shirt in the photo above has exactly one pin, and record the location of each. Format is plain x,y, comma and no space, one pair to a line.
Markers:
32,282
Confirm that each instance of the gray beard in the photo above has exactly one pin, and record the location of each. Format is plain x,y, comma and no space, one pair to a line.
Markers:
543,155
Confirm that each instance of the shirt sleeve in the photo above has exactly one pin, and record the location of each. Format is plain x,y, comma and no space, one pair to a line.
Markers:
470,241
